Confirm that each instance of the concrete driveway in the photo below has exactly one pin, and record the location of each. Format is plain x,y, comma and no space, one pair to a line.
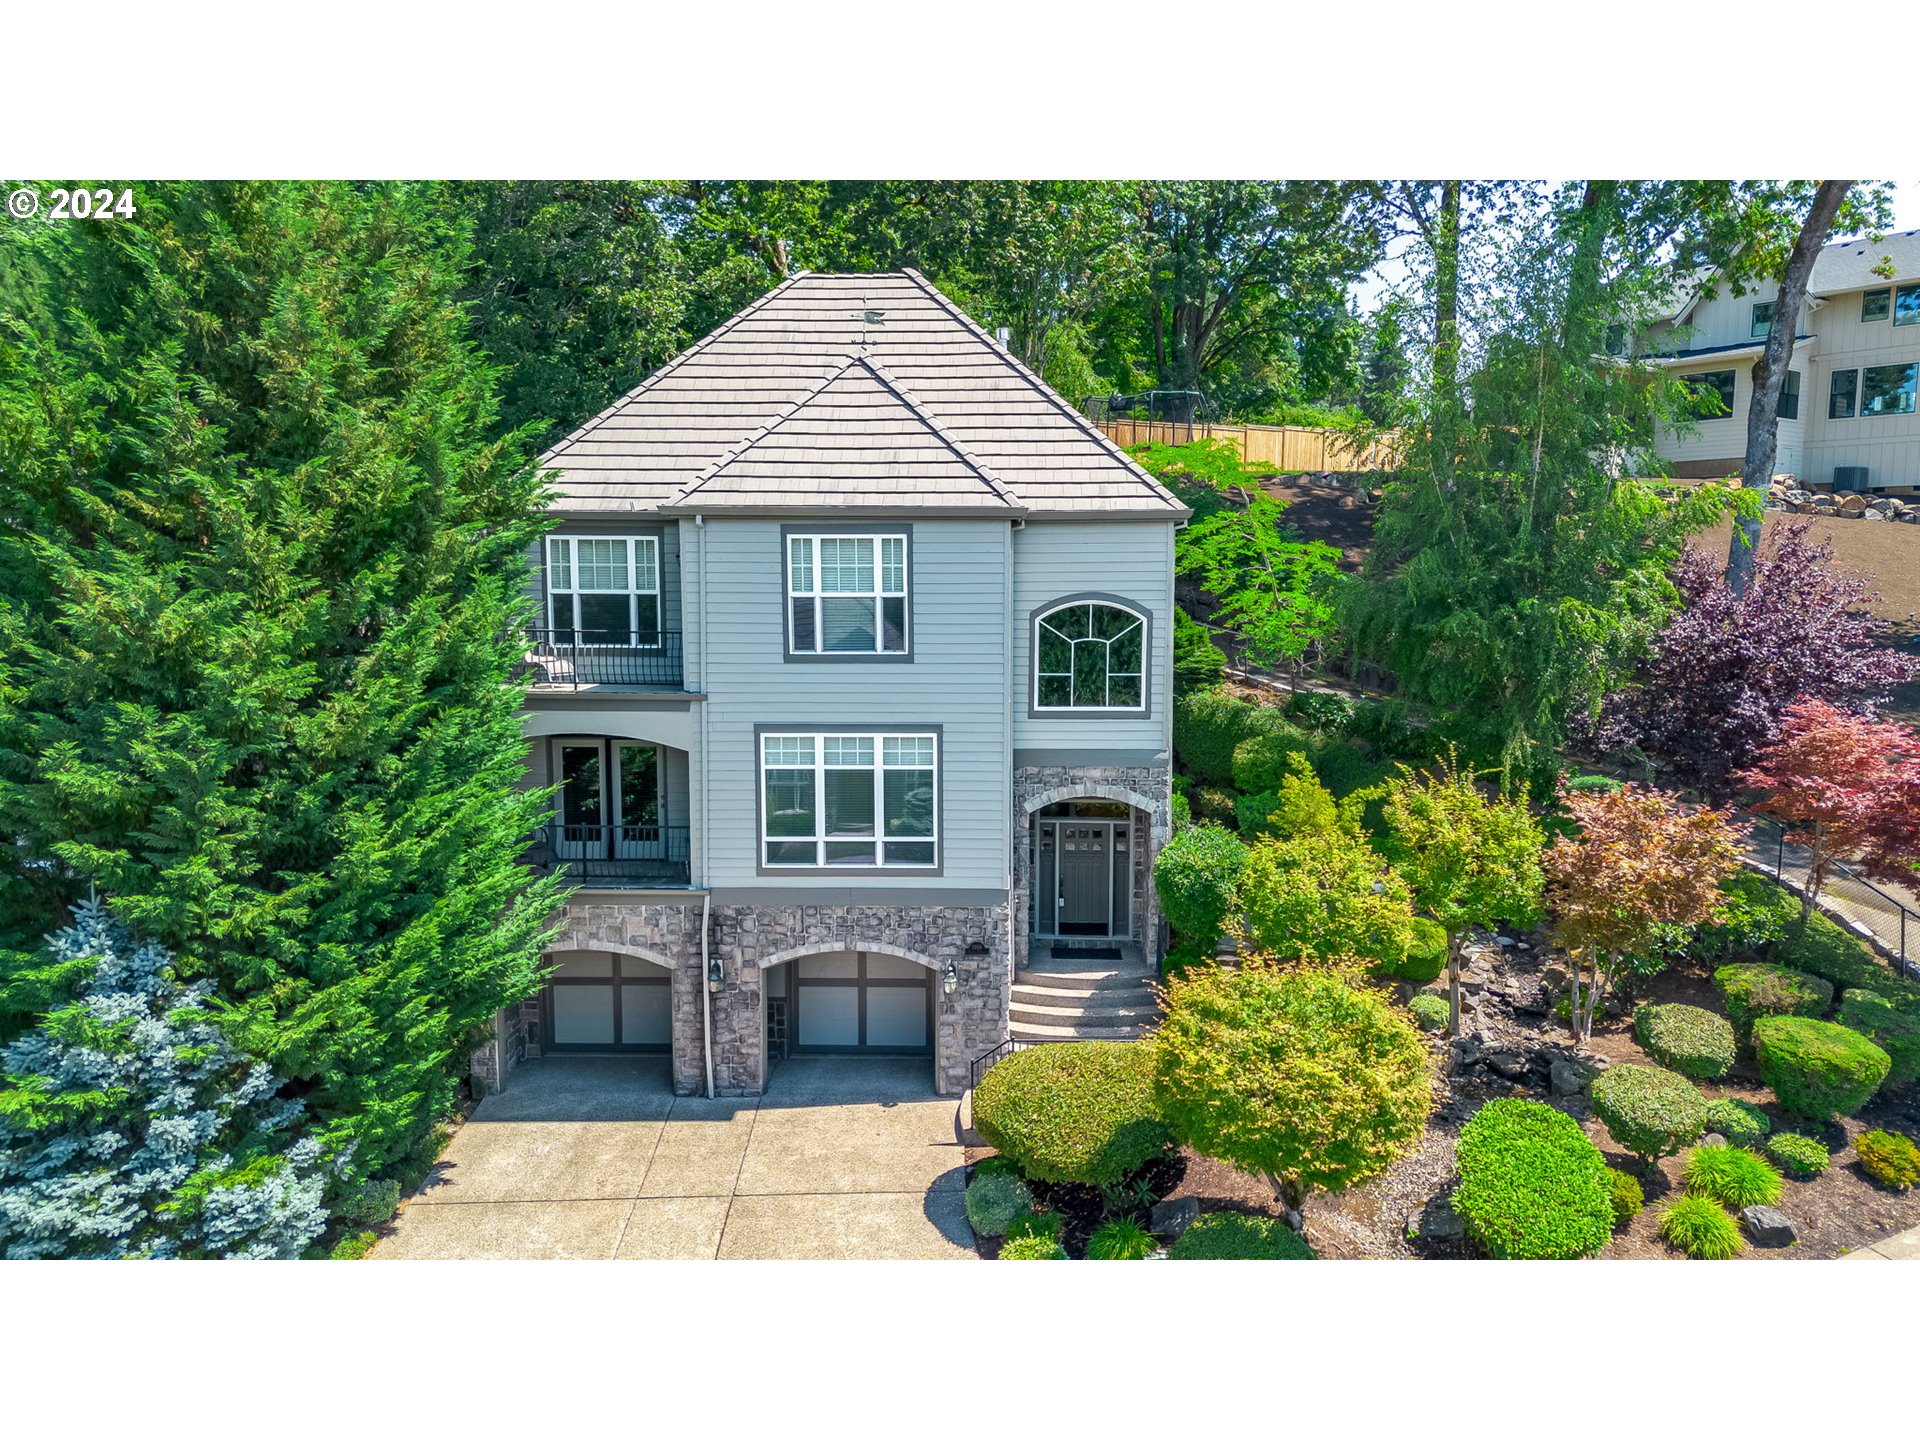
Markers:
597,1159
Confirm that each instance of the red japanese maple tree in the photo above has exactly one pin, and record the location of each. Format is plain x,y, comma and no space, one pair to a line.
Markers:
1846,788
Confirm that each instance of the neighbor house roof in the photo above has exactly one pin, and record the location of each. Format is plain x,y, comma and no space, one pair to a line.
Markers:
1717,352
1850,264
849,389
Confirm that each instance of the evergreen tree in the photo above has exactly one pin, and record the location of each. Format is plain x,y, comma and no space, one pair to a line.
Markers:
261,572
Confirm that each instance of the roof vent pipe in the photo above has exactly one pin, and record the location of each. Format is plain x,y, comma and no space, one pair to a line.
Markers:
1004,336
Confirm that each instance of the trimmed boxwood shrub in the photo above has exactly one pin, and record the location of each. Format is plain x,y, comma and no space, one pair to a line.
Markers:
1752,992
995,1200
1701,1227
1695,1042
1802,1155
1209,726
1816,1068
1195,875
1426,956
1629,1199
1120,1240
1741,1123
1890,1025
1648,1111
1029,1223
1224,1235
1262,761
1080,1111
1892,1159
1532,1186
1736,1178
1821,947
1430,1012
1033,1247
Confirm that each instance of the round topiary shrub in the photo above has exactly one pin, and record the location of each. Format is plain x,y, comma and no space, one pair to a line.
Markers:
1753,992
1816,1068
1079,1112
1741,1123
1892,1159
1736,1178
1429,1012
1894,1027
1120,1240
1029,1223
1648,1111
1532,1186
1701,1227
1629,1199
1224,1235
1195,876
1802,1155
995,1200
1426,955
1033,1247
1695,1042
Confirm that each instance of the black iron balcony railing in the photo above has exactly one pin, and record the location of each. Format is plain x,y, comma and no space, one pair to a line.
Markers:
570,659
621,856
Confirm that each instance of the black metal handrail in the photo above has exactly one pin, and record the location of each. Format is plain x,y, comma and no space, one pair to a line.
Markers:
572,658
1898,927
626,856
984,1063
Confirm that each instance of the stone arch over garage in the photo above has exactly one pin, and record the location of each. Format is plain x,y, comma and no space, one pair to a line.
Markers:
841,947
941,1040
565,941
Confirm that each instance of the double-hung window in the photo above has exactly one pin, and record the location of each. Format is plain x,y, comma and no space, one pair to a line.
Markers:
1888,389
1788,406
1762,319
867,800
604,590
1840,393
846,594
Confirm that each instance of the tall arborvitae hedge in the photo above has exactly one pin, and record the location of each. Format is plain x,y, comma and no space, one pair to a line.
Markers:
260,572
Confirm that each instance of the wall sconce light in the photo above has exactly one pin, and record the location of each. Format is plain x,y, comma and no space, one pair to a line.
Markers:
949,979
714,974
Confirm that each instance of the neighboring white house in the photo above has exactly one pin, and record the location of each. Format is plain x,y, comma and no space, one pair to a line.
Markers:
1852,396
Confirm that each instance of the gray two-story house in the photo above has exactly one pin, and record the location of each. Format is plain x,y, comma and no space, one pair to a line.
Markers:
853,674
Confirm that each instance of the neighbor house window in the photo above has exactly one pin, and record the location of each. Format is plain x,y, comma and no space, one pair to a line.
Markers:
1840,391
1875,304
1712,394
603,590
1090,655
867,800
1906,305
1789,406
1762,319
1888,389
847,594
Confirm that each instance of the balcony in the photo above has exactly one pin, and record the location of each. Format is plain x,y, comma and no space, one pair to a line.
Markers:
582,659
614,857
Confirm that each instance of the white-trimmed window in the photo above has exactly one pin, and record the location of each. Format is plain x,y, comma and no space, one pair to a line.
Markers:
1090,655
604,590
830,800
847,594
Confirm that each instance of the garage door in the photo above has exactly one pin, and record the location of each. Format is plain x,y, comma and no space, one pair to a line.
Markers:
599,1003
856,1003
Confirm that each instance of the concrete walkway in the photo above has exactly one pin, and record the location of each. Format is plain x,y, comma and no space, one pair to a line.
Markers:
1904,1246
597,1159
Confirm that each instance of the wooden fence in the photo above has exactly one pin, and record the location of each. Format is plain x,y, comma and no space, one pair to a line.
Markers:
1285,447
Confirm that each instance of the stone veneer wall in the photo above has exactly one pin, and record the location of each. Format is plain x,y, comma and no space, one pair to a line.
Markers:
1035,787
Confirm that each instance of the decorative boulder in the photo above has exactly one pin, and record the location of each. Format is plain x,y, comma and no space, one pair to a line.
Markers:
1767,1227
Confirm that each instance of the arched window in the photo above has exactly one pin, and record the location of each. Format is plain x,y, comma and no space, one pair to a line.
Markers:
1090,655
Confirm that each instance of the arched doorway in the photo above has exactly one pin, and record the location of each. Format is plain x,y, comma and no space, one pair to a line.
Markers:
1082,861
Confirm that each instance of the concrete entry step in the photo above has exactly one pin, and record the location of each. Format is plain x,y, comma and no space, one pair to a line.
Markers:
1083,980
1022,1031
1132,998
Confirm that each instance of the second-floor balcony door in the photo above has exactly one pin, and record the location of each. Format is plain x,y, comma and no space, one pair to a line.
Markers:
637,820
610,801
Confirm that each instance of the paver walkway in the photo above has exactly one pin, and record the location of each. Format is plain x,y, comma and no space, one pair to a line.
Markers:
1904,1246
596,1159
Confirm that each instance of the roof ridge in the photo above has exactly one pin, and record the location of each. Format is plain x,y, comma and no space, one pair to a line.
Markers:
926,417
1045,391
582,430
747,442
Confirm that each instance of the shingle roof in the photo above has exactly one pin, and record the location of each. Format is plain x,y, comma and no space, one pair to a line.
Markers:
772,405
1849,265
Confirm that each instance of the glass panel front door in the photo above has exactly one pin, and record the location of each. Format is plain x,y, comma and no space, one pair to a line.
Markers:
1086,875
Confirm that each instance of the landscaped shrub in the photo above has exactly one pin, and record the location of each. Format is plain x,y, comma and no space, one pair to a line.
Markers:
1208,726
1080,1111
1822,947
1629,1199
1213,806
1045,1224
1736,1178
1429,1012
1261,762
1532,1186
1182,810
130,1126
1426,955
995,1200
1890,1025
1120,1240
1591,784
1343,770
1325,895
997,1165
1816,1068
1741,1123
1648,1111
1890,1158
1198,663
1695,1042
1701,1227
1224,1235
1752,992
1317,710
1196,876
1033,1247
1755,914
1802,1155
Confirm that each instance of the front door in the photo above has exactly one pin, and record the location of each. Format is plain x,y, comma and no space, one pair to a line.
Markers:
1085,855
